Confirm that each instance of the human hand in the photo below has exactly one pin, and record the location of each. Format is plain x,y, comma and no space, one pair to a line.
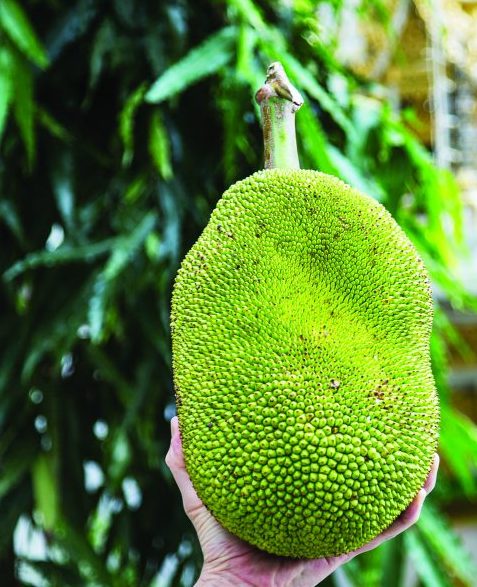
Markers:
228,561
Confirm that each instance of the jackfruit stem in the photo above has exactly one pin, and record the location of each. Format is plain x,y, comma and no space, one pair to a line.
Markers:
279,100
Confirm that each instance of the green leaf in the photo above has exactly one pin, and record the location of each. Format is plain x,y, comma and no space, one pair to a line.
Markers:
348,575
6,87
159,147
9,215
171,231
232,117
450,333
152,246
314,142
353,175
46,491
437,190
103,45
246,68
92,567
393,566
208,58
445,543
15,23
63,188
123,253
251,14
135,190
424,564
65,254
52,125
126,122
36,572
77,19
110,372
458,443
15,466
120,456
23,106
371,568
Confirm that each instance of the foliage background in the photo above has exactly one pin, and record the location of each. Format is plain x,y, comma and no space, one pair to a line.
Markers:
121,123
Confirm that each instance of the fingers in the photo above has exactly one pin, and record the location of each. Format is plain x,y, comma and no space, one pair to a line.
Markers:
430,482
175,462
208,530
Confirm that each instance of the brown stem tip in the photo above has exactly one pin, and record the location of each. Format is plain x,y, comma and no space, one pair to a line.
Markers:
279,101
277,85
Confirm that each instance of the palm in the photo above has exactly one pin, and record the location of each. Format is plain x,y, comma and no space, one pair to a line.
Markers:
254,567
230,561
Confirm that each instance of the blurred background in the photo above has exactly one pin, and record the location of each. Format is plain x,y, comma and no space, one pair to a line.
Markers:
121,124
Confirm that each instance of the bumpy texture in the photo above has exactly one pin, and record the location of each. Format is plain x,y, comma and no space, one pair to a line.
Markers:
301,322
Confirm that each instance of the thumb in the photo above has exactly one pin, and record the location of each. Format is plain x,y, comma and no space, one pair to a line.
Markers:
193,506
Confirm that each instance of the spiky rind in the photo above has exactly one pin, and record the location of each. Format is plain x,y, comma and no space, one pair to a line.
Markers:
301,321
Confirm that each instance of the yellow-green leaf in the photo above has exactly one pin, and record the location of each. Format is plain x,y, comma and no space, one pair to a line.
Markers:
210,56
46,491
23,106
5,87
159,148
16,25
126,121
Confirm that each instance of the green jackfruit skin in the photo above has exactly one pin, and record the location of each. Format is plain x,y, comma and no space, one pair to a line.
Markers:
301,321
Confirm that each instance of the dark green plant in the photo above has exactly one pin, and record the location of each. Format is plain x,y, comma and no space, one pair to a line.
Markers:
121,124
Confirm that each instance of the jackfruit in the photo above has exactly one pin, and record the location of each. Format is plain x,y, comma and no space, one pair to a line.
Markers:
300,326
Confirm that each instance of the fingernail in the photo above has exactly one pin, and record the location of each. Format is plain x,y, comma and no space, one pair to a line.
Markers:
175,435
174,426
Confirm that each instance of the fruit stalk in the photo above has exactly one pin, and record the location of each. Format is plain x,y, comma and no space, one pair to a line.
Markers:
279,100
